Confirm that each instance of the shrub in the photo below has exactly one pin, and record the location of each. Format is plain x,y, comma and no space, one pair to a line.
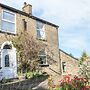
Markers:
4,80
69,83
75,83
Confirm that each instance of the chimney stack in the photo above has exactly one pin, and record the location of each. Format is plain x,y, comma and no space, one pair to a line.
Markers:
27,8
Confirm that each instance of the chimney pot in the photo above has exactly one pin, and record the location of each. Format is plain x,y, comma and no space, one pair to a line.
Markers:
27,8
25,3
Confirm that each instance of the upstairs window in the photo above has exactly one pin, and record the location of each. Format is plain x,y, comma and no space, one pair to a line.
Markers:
8,22
40,30
24,24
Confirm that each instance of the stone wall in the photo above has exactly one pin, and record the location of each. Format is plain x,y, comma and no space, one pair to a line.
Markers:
24,84
71,64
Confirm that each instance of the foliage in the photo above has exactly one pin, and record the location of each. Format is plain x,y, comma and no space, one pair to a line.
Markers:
84,66
4,80
32,74
84,56
27,51
84,70
70,83
73,84
28,75
71,55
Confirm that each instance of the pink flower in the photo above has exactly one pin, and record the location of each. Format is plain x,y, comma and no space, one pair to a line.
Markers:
61,81
67,78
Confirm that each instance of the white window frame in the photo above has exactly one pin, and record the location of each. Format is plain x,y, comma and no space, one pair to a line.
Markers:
41,30
63,71
42,55
2,19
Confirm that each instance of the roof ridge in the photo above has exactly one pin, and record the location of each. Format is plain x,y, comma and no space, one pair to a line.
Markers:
68,54
26,14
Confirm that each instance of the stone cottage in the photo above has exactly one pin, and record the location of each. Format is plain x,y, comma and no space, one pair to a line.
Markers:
69,64
12,22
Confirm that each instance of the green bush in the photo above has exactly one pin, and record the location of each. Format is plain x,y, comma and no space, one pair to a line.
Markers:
32,74
4,80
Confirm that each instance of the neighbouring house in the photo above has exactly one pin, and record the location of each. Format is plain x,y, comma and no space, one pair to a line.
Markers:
12,22
69,64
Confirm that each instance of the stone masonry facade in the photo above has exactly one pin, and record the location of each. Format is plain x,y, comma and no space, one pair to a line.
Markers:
51,33
69,64
60,61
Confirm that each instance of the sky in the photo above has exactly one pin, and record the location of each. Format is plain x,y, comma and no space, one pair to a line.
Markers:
72,16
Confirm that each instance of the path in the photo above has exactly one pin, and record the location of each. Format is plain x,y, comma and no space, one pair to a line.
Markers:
42,86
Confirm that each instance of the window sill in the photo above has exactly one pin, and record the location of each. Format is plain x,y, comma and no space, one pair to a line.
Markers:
7,33
41,39
44,65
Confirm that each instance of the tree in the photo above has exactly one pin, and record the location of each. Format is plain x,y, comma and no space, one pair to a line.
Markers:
27,51
84,56
84,70
84,66
71,55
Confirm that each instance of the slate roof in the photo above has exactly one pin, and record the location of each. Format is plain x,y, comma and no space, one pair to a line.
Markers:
26,14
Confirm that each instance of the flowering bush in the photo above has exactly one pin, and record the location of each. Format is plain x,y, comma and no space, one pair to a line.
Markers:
69,83
84,69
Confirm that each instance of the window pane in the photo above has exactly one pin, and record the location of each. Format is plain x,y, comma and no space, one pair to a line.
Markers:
40,30
64,66
42,34
7,47
8,27
8,16
42,59
42,56
39,25
7,61
38,34
24,24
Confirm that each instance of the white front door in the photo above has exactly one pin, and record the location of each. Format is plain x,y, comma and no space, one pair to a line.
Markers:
8,63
